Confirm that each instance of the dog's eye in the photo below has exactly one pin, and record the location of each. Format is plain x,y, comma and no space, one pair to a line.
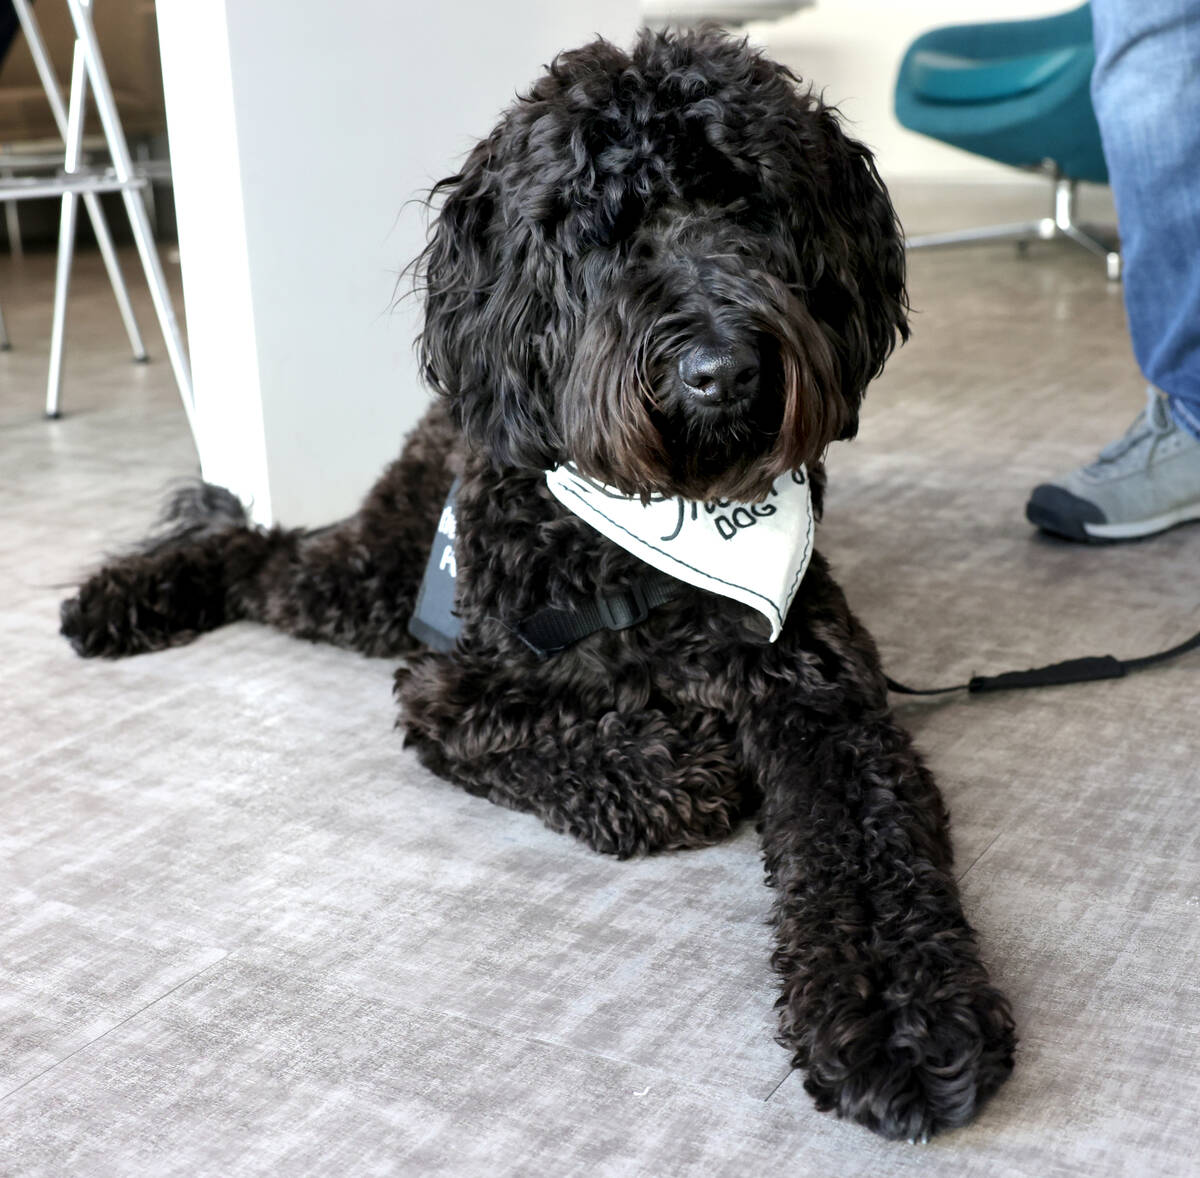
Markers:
642,251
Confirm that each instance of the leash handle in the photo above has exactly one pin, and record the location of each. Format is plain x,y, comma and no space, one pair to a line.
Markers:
1085,670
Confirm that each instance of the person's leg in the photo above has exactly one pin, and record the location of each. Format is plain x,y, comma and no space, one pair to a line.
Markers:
1146,90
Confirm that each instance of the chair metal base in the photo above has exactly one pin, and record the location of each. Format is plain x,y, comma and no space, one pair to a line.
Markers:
1103,243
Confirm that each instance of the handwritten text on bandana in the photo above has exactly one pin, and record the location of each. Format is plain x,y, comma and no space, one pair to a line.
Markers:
755,553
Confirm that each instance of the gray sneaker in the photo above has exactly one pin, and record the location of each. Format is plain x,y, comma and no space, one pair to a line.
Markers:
1145,482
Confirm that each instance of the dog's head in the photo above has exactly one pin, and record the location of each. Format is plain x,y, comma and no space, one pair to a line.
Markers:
669,267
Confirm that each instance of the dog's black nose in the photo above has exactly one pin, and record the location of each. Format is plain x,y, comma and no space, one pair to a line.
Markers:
720,374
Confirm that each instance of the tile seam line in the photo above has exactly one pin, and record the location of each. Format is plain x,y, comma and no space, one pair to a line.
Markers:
116,1026
771,1095
552,1041
971,866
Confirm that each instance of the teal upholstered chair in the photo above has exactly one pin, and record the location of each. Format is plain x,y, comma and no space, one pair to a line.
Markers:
1016,92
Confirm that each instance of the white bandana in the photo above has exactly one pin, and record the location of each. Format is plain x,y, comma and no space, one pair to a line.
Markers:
755,553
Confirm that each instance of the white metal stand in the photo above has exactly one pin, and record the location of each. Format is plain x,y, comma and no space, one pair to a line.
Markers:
88,68
41,61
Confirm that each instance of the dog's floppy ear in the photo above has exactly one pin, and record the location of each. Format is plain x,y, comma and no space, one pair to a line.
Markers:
863,267
488,314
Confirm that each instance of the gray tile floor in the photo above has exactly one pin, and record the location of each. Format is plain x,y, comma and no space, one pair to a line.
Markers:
244,933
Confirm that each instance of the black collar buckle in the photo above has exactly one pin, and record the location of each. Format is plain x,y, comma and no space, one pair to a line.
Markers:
551,629
619,611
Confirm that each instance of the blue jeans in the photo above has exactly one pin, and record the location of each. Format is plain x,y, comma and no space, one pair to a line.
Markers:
1146,90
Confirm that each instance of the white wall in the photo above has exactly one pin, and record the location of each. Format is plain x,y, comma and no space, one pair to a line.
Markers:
299,130
852,50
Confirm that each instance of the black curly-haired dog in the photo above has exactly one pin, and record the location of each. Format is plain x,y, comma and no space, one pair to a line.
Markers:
635,216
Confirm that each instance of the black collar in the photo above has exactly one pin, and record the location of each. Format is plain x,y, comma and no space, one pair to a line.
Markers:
551,630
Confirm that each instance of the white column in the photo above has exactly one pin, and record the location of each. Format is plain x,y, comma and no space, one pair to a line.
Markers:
299,130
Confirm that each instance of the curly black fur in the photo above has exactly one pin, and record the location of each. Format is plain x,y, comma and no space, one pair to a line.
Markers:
633,208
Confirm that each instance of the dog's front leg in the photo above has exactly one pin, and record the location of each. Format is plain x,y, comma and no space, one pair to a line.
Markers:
352,583
885,1002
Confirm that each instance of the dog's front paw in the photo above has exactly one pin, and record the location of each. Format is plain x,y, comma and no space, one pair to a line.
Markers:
96,626
908,1065
113,615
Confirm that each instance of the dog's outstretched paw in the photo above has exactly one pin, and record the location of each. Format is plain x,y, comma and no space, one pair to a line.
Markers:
100,625
913,1071
93,626
114,615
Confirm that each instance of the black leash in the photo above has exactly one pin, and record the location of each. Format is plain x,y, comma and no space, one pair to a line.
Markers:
551,631
1085,670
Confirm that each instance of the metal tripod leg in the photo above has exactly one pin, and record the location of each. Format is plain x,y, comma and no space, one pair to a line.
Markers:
66,236
95,211
12,221
134,205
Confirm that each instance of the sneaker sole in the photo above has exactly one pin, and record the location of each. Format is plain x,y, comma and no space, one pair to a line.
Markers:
1145,527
